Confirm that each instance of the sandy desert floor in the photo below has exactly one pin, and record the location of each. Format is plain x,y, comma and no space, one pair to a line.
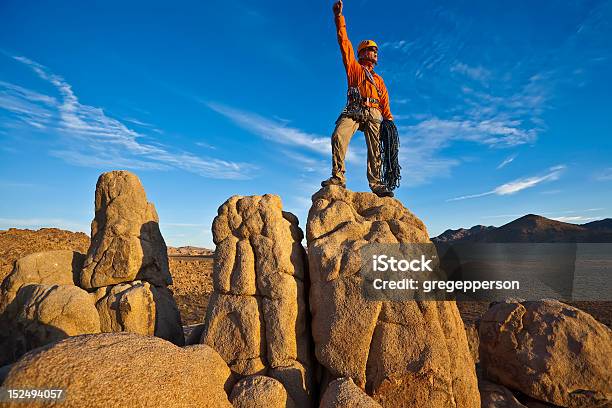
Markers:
192,275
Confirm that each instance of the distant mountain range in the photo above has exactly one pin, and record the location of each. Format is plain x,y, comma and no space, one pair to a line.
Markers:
532,228
189,251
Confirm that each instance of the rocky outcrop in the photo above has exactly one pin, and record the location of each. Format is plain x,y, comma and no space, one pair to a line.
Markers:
127,307
125,370
49,268
343,393
139,307
533,403
41,314
48,273
257,316
258,391
410,354
127,262
548,350
167,317
471,332
45,298
126,243
497,396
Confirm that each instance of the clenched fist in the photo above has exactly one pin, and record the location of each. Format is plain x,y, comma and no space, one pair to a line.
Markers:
337,8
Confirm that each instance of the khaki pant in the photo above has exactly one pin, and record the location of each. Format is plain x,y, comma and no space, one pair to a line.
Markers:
345,129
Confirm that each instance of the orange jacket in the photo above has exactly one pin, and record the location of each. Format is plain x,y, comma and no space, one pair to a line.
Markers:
355,75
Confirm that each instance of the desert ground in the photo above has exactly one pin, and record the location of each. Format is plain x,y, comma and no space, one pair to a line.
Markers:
191,269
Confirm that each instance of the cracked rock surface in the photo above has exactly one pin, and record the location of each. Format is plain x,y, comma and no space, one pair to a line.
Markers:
343,393
497,396
41,314
127,307
409,354
126,243
124,370
51,267
258,391
257,315
139,307
548,350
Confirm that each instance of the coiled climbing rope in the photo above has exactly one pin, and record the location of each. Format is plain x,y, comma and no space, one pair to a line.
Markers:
389,152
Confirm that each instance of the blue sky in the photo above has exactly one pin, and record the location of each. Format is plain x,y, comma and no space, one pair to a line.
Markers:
503,109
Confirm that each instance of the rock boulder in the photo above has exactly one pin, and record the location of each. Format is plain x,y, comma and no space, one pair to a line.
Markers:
548,350
126,243
343,393
141,308
125,370
50,268
257,316
168,324
127,307
41,314
497,396
410,354
259,391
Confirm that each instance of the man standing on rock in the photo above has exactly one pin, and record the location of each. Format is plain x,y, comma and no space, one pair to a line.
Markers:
367,105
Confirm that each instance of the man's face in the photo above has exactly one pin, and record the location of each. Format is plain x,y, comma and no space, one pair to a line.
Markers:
370,54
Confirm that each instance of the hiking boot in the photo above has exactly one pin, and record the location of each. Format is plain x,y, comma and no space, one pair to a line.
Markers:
333,181
382,192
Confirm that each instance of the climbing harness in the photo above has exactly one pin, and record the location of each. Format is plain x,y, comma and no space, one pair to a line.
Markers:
356,104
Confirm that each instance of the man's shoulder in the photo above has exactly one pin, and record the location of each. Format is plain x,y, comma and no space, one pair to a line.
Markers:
376,75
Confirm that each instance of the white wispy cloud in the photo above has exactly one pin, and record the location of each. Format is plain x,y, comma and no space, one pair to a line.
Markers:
507,161
394,44
12,184
515,186
496,106
278,131
422,143
604,175
575,219
273,130
307,163
521,184
503,119
44,223
482,118
495,132
106,158
147,125
548,213
29,107
206,145
139,122
500,104
89,137
478,73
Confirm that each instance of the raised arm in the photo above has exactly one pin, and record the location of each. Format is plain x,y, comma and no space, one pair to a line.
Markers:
346,48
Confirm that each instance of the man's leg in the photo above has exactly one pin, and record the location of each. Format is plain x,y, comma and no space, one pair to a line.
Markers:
344,131
371,130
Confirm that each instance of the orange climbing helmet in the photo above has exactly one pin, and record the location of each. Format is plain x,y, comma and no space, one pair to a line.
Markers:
366,44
